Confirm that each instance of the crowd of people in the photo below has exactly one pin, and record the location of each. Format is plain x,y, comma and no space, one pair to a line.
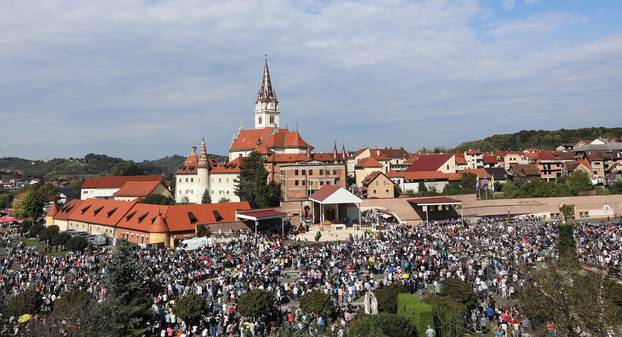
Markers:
492,255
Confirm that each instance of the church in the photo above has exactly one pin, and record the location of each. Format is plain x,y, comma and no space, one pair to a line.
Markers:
200,173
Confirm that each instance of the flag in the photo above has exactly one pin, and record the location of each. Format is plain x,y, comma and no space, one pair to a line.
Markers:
477,184
492,183
485,183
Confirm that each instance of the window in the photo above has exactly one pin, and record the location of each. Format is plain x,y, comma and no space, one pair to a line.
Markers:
310,172
374,191
377,182
295,182
321,171
86,192
191,180
321,183
220,180
386,191
217,216
193,219
260,120
186,179
97,210
295,172
142,217
129,216
304,182
179,179
304,172
334,172
271,119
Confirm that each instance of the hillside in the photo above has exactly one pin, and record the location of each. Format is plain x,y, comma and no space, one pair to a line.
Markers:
90,165
539,139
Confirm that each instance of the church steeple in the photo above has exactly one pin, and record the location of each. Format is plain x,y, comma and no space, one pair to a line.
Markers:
266,92
202,162
266,105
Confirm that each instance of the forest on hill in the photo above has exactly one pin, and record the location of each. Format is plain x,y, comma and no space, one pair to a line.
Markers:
539,139
91,165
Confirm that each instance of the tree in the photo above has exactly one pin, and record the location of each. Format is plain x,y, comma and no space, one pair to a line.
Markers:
397,190
31,206
256,303
253,186
35,229
204,231
128,302
127,168
390,325
206,198
223,199
25,226
317,302
318,236
27,302
157,199
70,306
387,297
460,292
47,233
76,243
60,239
449,316
191,308
578,182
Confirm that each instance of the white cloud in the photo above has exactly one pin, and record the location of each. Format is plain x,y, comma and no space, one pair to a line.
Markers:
509,4
144,79
536,24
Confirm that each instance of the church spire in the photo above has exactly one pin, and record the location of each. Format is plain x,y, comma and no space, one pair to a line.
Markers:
266,92
266,105
203,155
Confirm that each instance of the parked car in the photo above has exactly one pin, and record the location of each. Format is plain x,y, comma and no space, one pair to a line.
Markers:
79,233
98,239
195,243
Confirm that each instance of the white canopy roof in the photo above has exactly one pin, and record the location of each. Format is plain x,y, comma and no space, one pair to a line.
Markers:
338,196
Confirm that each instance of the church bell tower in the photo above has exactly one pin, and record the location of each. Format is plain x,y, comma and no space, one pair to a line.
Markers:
266,106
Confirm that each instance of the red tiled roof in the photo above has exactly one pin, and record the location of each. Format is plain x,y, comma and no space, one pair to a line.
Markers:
324,192
52,211
460,160
248,140
371,177
116,181
473,152
225,169
425,175
101,211
137,188
525,170
263,213
178,218
555,155
142,217
490,159
429,162
480,172
65,211
367,162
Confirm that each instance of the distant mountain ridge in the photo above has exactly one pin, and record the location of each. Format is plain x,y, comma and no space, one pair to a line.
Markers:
539,139
91,165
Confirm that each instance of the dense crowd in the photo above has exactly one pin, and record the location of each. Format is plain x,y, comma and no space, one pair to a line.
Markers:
491,255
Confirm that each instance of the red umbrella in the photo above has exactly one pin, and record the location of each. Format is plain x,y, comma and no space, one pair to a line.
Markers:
8,218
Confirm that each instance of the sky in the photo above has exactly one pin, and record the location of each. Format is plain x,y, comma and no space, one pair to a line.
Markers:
145,79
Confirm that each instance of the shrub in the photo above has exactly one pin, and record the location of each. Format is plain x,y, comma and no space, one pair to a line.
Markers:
318,236
191,308
449,316
420,314
71,305
567,247
47,233
460,292
26,302
76,243
204,230
255,303
60,239
317,302
25,226
387,297
390,325
35,229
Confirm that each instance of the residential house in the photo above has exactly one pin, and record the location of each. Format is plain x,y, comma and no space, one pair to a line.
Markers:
443,162
551,163
377,186
105,187
409,181
524,172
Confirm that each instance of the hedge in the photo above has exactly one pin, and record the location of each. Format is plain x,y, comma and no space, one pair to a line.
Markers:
418,313
567,247
389,325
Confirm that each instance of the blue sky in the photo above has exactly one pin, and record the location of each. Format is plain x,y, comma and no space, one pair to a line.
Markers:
145,79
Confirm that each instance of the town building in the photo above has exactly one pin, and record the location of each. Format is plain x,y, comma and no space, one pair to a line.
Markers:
551,164
433,181
442,162
377,185
105,187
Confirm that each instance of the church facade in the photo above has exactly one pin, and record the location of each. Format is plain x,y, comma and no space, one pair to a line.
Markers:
199,173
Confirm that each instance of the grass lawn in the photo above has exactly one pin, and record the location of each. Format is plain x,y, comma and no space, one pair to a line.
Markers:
40,247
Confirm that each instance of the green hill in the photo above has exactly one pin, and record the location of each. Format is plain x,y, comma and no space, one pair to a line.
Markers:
90,165
539,139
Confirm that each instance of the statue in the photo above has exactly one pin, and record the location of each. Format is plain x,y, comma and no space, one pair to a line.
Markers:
374,304
367,303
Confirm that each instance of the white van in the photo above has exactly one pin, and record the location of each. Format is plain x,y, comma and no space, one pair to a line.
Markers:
195,243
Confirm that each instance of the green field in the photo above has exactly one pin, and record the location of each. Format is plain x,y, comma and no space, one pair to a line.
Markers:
40,247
